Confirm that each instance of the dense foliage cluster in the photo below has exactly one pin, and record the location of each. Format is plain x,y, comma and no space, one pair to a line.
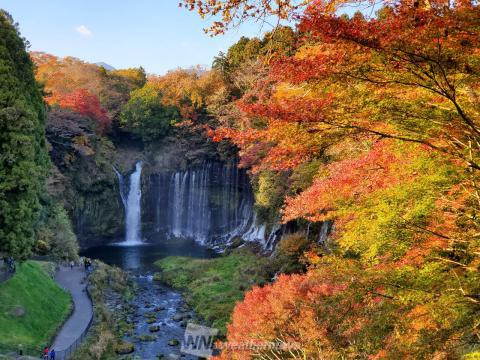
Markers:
23,156
373,123
56,237
87,89
145,116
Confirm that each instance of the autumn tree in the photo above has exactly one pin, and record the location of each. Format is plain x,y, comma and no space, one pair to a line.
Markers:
380,116
63,76
245,52
83,102
117,86
228,13
190,90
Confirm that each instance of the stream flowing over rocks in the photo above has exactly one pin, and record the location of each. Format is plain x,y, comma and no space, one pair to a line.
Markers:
157,315
160,318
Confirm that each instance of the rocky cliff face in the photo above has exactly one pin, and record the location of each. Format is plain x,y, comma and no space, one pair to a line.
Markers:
189,188
83,178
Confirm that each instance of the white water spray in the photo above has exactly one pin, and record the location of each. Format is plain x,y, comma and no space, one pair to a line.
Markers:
133,231
121,186
132,202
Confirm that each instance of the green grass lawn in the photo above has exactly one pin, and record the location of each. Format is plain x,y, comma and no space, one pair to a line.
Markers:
213,286
46,306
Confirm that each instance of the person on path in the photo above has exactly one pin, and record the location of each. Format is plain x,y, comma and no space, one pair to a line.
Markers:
88,267
52,354
46,351
72,264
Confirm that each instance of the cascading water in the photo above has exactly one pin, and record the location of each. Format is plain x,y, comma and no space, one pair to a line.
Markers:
121,186
211,203
189,211
132,204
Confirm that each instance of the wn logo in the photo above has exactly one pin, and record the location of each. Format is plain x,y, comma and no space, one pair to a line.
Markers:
198,340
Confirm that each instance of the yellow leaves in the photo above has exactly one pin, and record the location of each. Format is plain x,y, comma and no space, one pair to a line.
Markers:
188,87
331,6
310,51
472,356
289,91
265,187
419,318
312,258
230,13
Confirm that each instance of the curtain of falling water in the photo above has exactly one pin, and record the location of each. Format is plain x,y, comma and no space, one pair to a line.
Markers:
209,203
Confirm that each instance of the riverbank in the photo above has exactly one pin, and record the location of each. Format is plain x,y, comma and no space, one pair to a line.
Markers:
135,317
110,291
213,286
141,317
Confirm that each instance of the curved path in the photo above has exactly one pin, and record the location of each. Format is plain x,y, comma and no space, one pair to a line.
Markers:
73,280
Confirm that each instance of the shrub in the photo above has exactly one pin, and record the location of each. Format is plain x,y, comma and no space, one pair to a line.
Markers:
56,236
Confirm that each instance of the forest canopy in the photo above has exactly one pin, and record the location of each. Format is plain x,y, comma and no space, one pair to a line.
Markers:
23,156
371,122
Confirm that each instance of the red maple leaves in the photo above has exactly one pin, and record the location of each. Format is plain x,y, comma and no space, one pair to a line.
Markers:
85,103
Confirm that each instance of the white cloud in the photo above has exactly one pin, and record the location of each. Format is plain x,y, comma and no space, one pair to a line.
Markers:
83,30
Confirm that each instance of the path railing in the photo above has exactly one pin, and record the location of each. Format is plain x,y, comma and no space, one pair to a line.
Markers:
68,352
61,354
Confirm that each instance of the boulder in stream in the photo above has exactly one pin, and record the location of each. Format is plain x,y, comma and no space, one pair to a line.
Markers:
177,317
174,342
124,348
154,328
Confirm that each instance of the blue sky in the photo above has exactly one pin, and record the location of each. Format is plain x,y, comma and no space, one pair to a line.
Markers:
156,34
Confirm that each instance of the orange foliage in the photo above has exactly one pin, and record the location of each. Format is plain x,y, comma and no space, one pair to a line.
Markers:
348,179
291,305
359,98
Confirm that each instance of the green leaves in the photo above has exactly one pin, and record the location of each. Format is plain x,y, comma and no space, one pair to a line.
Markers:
23,156
145,116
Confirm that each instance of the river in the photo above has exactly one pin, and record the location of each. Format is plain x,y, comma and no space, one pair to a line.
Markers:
168,305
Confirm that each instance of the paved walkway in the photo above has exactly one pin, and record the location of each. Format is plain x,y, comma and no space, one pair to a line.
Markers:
73,281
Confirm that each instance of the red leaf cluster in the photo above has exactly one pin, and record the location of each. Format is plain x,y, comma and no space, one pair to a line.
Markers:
83,102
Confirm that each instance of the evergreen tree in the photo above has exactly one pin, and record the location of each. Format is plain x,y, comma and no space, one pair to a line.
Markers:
23,155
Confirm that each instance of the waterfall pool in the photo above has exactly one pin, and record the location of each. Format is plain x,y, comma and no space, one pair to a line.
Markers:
171,312
140,258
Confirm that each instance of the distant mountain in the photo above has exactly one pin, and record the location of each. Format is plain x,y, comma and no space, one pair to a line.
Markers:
105,65
199,69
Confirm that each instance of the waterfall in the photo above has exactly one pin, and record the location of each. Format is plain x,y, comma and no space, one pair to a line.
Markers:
188,212
133,210
210,203
131,203
121,186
